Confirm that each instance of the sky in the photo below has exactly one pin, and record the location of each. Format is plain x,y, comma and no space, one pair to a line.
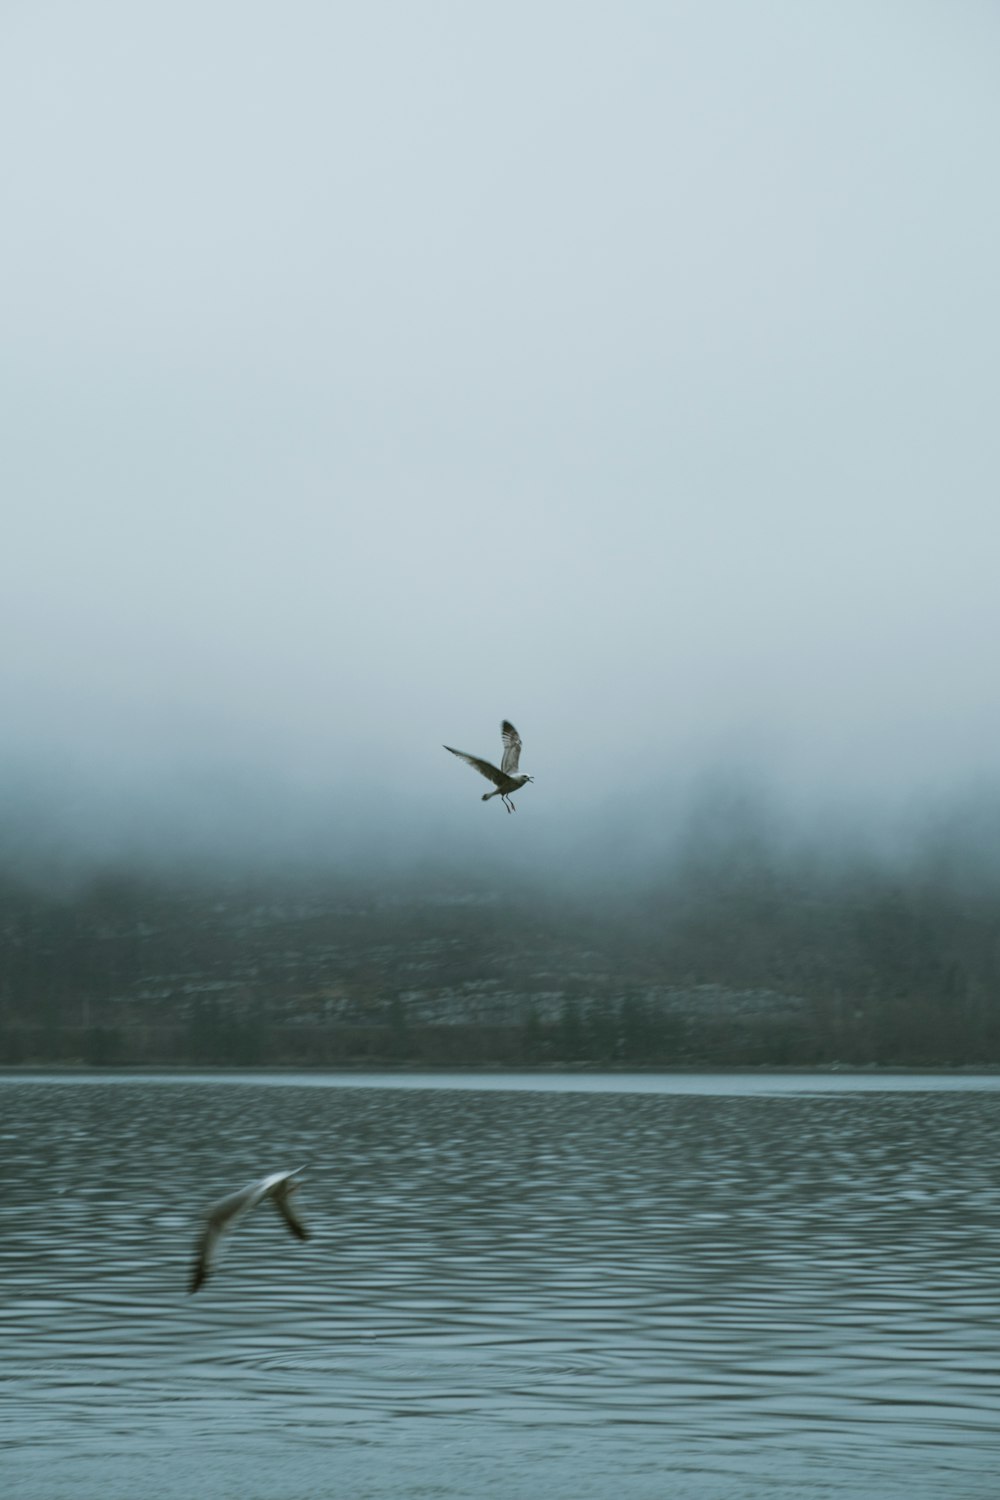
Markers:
370,373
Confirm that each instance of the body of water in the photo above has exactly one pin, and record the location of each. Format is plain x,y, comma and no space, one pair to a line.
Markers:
572,1287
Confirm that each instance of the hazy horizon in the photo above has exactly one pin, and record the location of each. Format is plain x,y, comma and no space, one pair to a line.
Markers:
370,375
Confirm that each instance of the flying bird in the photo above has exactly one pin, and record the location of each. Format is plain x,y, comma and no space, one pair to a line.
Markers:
506,779
224,1214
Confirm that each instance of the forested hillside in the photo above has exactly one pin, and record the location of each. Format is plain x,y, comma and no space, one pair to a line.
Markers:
733,958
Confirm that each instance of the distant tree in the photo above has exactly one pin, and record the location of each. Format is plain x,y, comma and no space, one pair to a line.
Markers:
532,1036
244,1042
634,1030
601,1031
400,1041
11,1047
205,1041
103,1046
570,1034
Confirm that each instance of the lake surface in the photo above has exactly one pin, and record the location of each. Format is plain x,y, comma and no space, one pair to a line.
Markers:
569,1287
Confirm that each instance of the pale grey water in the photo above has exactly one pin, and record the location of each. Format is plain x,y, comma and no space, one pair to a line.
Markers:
572,1287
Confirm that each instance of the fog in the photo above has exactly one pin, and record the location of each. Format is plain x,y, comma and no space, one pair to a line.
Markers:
371,373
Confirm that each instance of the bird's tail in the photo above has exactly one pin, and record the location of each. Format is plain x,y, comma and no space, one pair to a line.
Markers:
488,795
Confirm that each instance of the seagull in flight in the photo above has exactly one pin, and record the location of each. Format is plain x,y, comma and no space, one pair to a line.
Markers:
224,1214
506,779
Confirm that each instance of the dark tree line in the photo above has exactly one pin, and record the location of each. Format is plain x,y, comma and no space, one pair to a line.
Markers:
864,963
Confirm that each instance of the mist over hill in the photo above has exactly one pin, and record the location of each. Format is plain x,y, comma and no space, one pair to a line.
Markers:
731,932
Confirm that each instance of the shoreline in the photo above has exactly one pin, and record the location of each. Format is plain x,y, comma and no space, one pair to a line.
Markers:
493,1070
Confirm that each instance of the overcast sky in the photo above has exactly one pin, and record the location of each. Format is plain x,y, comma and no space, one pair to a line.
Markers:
373,371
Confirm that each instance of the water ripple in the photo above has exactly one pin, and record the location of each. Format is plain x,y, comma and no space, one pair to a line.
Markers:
811,1275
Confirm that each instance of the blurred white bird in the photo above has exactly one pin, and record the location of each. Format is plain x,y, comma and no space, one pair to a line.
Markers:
505,779
224,1214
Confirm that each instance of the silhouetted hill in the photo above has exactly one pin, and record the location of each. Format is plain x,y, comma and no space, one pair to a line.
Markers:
724,957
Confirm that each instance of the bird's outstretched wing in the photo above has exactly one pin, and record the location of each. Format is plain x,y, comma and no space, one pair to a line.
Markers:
482,766
204,1255
511,748
220,1217
294,1223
